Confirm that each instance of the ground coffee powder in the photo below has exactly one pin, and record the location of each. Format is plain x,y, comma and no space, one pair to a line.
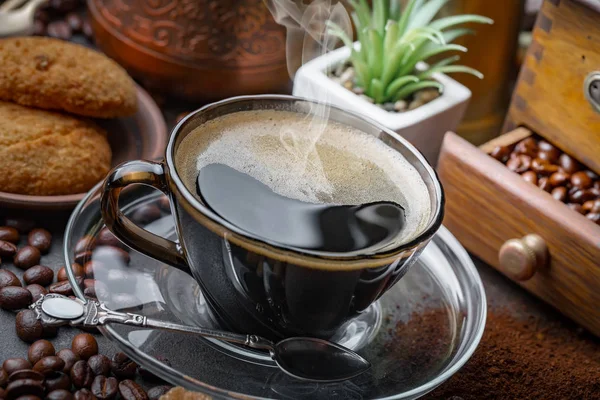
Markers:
523,359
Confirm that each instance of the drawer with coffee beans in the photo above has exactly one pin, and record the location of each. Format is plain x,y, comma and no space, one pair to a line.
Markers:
528,202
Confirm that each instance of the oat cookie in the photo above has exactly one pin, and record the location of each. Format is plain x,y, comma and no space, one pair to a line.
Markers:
48,153
57,75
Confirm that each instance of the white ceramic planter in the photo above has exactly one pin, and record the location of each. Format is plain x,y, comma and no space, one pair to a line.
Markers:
424,126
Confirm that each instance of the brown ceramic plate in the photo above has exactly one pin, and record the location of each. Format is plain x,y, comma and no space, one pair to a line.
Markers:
141,136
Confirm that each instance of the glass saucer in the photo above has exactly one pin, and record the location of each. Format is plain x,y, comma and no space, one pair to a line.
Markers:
416,336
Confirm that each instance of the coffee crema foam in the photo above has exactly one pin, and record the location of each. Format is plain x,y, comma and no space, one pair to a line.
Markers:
346,167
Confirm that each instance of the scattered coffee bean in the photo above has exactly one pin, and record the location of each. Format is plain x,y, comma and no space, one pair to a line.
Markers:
69,358
543,167
23,387
38,274
49,364
15,364
60,394
500,153
105,388
36,291
40,349
549,153
27,257
129,390
594,217
15,298
146,213
519,163
581,180
81,375
9,234
29,328
84,345
59,30
148,375
559,193
581,196
86,243
28,397
158,391
106,238
3,378
8,278
25,374
83,257
62,287
111,255
57,381
7,249
559,178
84,394
92,266
40,238
569,164
75,22
123,367
22,225
100,364
165,205
530,176
527,146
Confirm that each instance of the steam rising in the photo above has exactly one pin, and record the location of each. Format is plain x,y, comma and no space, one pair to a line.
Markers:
307,38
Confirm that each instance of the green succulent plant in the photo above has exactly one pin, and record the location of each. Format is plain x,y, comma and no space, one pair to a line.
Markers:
392,42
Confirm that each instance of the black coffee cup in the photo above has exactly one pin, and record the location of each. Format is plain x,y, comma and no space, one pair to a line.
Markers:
252,285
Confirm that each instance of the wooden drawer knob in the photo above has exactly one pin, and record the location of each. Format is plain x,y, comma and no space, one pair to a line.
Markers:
521,258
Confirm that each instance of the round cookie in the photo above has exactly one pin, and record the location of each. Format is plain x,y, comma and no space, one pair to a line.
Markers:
48,153
57,75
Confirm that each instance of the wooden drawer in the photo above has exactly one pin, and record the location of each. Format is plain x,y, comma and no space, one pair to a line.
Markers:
487,205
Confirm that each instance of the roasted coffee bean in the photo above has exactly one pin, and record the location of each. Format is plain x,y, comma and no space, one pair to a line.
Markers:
530,176
25,374
559,193
106,238
581,196
40,349
129,390
82,375
87,30
60,394
24,387
14,298
61,275
146,213
91,266
105,388
75,22
22,225
77,270
59,30
559,178
3,378
500,153
595,206
8,278
36,291
9,234
165,205
49,364
38,274
56,381
122,366
111,255
84,394
148,375
40,238
100,364
15,364
519,163
86,243
594,217
592,175
83,257
569,164
550,152
62,287
84,346
527,146
158,391
28,327
581,180
7,249
543,167
544,184
69,358
27,257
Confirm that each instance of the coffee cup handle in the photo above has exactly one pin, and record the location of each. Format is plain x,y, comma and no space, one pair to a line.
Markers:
144,173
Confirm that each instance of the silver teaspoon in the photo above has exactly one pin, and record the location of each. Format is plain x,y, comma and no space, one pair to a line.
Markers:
303,358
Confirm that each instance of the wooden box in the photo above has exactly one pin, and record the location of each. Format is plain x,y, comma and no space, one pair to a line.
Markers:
490,209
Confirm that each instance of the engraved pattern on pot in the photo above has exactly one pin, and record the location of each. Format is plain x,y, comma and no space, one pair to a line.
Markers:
224,31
